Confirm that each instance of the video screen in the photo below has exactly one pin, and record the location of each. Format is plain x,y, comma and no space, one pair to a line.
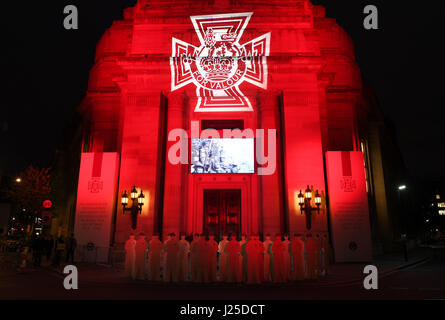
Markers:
222,156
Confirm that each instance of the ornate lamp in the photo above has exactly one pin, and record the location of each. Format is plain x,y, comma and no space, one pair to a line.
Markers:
136,207
134,193
304,201
124,199
301,201
308,193
141,199
317,200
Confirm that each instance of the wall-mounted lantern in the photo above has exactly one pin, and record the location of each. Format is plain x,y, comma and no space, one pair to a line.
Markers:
304,201
136,207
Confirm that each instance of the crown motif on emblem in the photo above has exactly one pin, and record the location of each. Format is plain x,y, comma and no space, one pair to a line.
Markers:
217,68
219,63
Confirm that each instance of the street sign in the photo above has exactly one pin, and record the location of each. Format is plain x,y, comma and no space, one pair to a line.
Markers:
47,204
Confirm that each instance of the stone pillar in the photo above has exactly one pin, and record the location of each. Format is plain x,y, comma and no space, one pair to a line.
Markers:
303,149
139,158
269,185
175,182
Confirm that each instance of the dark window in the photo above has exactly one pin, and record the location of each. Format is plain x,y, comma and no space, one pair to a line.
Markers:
222,124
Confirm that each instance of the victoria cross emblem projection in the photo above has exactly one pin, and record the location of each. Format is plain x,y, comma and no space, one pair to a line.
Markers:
220,64
222,156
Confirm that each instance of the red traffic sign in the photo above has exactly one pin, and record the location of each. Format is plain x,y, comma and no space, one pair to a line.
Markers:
47,204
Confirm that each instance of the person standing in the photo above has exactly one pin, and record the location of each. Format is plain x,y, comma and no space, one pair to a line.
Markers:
183,254
297,248
243,258
233,252
325,253
254,275
71,245
260,256
213,253
194,262
154,258
268,258
286,258
278,248
311,256
60,249
164,254
49,245
171,249
130,257
223,258
202,251
37,251
140,251
318,262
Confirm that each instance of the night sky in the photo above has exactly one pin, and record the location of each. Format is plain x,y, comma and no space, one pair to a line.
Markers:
45,70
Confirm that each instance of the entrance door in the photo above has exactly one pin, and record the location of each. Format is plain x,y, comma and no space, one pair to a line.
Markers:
222,212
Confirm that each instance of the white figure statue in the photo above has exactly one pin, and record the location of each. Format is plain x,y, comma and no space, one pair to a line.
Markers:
140,250
286,258
318,262
183,254
194,258
325,253
297,248
278,249
130,255
223,258
243,258
154,258
213,253
234,266
164,254
172,250
202,251
253,263
311,256
268,258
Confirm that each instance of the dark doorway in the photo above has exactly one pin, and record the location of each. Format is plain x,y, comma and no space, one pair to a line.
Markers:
222,212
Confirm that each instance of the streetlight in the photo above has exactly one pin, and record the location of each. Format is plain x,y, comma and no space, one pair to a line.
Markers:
402,218
136,207
304,201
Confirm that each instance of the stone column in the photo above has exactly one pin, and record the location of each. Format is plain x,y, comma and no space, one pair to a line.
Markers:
270,185
140,155
303,149
175,183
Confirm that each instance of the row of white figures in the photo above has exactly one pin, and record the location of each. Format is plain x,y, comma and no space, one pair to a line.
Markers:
250,261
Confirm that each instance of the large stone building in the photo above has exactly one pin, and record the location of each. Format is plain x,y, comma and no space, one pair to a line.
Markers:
172,72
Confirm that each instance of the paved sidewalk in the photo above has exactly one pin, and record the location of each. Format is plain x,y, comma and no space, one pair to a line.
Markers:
345,273
339,274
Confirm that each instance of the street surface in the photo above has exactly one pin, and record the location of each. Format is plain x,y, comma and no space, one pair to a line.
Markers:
422,281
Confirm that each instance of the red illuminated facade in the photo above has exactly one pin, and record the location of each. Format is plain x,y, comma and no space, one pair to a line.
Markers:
300,79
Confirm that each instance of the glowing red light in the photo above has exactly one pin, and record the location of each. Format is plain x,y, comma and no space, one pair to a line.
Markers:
47,204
